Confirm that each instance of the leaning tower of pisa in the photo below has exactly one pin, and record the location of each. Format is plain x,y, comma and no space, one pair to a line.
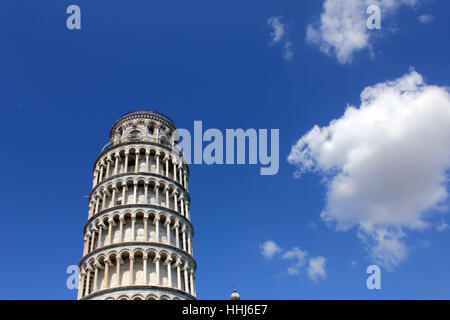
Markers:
138,236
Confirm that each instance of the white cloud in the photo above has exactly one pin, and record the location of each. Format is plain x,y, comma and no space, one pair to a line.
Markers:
385,162
269,249
288,54
278,34
316,268
278,29
312,225
386,245
341,29
425,18
300,258
442,226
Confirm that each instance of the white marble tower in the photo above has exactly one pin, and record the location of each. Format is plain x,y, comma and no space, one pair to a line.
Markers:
138,237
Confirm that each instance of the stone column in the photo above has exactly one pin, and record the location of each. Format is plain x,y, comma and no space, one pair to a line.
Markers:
93,239
121,193
177,234
99,240
124,194
182,206
189,243
156,223
125,166
81,285
183,234
187,211
192,282
118,262
110,225
186,285
146,192
91,208
167,198
88,280
86,244
135,186
157,162
145,228
113,197
167,225
147,160
156,261
104,199
174,171
136,162
101,172
175,201
116,165
169,272
106,282
94,181
107,168
178,275
157,195
94,285
96,204
133,223
121,221
131,278
167,167
145,268
184,179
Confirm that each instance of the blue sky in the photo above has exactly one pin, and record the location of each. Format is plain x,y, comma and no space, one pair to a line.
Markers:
62,90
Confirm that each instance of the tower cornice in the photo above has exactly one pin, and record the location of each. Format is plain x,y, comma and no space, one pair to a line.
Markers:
144,143
140,174
143,207
133,289
138,244
143,114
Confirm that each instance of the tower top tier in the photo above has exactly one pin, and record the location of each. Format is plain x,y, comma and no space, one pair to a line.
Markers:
142,125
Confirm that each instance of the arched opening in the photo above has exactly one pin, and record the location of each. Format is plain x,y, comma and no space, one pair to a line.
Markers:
151,129
125,269
151,268
135,134
139,227
138,268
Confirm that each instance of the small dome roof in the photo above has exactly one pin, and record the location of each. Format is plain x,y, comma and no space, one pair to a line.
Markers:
235,295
